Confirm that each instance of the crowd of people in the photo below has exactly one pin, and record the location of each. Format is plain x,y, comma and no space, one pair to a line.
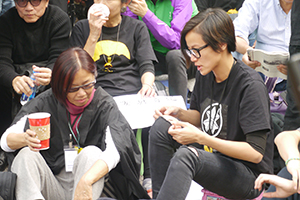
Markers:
225,141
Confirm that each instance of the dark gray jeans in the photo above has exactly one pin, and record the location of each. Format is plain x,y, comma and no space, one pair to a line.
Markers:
292,114
173,64
173,167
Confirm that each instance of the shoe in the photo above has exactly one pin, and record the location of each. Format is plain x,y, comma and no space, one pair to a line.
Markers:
147,184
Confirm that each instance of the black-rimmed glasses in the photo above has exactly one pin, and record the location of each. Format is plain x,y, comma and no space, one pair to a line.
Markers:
85,86
195,52
23,3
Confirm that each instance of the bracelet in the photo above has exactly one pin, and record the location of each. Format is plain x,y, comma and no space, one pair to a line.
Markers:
288,160
148,85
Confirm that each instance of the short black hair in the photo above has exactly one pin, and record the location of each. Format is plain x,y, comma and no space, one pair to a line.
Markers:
216,28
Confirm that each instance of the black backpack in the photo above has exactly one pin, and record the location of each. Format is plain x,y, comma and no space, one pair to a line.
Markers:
8,182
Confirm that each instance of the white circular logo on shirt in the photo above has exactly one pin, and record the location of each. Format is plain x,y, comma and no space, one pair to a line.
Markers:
212,114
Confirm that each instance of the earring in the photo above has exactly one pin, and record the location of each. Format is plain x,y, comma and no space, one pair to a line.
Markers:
123,9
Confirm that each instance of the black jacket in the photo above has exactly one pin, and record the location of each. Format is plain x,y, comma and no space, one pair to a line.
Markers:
100,113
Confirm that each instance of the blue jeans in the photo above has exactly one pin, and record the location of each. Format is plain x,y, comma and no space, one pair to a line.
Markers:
5,5
284,174
173,167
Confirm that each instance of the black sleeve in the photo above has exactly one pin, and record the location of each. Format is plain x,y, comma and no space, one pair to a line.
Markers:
254,103
143,47
80,34
146,66
7,71
258,140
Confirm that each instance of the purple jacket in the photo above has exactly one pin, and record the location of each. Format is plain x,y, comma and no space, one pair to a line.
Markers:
167,35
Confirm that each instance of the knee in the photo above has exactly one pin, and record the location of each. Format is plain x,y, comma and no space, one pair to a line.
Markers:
185,158
159,130
182,153
90,150
88,154
175,56
25,157
26,154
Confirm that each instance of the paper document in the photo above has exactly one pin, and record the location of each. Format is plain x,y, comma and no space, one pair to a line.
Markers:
269,61
139,111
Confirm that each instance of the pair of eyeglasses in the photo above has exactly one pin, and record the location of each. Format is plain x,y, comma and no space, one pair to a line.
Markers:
23,3
85,86
195,52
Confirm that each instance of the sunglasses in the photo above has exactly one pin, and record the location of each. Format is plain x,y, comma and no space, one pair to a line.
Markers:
195,52
23,3
85,87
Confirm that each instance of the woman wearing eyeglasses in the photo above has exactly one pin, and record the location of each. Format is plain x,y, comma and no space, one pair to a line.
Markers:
32,33
225,140
87,118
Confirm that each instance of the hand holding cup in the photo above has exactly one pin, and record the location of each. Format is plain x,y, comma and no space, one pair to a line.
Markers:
32,141
39,124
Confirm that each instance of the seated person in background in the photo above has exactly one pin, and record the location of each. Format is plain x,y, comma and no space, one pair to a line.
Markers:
165,19
272,20
98,128
225,140
32,32
292,114
287,184
121,48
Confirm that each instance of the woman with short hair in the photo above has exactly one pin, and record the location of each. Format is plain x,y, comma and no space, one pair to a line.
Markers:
225,140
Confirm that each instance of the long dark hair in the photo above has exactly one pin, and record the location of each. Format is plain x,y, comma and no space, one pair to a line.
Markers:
216,28
66,66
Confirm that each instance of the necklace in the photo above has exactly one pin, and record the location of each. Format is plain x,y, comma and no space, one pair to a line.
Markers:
109,60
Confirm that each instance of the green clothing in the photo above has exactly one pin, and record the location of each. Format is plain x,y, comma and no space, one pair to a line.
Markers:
163,10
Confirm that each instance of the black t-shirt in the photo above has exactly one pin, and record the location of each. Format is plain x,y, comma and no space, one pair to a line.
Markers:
128,55
243,109
224,4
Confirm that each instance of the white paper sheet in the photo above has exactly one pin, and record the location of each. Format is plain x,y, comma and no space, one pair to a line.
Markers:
139,111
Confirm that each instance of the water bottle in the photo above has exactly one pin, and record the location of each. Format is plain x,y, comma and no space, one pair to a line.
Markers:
24,97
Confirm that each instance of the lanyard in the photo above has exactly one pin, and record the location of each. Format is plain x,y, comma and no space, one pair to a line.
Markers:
77,139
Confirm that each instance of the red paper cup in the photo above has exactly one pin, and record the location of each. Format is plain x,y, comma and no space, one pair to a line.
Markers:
40,123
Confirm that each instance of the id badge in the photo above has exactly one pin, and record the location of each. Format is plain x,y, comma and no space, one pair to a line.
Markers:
70,155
